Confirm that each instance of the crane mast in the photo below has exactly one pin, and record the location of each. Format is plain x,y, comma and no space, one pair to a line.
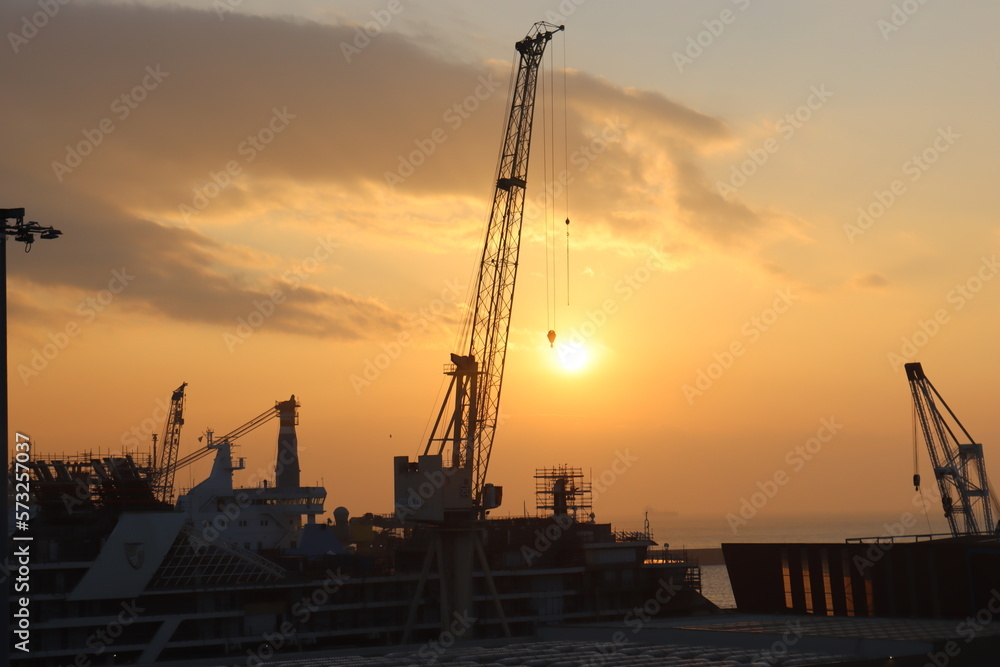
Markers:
166,463
959,467
477,377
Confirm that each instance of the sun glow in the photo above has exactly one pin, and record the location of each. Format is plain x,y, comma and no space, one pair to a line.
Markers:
572,356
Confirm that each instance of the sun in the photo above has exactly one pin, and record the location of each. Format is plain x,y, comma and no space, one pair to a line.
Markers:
572,356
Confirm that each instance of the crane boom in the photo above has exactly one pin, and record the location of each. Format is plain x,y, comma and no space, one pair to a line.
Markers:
237,432
251,425
477,377
958,467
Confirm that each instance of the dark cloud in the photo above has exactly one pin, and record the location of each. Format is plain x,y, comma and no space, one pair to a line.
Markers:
343,124
173,111
217,85
175,272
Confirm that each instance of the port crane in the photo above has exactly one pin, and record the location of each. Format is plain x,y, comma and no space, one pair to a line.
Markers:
446,487
958,466
165,461
468,417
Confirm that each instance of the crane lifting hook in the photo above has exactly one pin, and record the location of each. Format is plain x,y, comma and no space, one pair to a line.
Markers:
552,338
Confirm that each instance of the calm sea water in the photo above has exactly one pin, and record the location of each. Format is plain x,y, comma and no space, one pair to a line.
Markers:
715,586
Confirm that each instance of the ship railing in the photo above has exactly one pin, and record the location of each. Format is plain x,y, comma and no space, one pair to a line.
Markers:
692,572
631,536
926,537
666,556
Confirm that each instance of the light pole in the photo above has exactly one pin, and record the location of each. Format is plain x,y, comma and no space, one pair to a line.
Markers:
23,232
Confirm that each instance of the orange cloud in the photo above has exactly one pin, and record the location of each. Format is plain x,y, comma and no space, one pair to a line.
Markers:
133,122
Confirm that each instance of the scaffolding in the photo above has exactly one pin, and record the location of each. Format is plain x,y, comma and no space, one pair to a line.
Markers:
562,490
85,481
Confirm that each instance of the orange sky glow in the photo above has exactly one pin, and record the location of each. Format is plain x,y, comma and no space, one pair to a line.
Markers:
766,223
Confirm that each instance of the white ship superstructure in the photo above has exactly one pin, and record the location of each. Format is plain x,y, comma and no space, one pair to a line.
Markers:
264,517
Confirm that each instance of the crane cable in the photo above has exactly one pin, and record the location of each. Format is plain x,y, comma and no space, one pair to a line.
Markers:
549,195
566,161
550,180
546,218
916,468
548,120
551,184
916,460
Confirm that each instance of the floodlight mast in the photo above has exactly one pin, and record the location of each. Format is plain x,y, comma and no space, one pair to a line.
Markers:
23,232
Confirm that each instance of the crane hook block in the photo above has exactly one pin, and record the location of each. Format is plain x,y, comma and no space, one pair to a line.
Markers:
916,482
552,338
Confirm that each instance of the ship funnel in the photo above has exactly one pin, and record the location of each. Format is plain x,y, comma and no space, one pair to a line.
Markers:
286,468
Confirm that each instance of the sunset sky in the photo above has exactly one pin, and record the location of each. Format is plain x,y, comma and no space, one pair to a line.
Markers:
774,205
